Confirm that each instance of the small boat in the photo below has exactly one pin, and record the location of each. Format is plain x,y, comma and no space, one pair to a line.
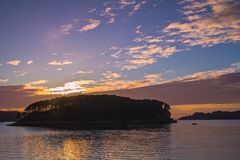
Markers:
194,123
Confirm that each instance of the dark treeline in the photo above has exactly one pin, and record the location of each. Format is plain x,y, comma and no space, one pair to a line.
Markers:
214,115
96,108
7,116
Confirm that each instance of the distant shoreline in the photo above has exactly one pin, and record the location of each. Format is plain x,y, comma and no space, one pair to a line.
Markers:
217,115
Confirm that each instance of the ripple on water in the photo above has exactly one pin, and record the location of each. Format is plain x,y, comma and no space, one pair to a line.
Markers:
208,140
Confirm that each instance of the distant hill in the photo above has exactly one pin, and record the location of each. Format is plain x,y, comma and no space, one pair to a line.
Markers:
7,116
95,111
214,115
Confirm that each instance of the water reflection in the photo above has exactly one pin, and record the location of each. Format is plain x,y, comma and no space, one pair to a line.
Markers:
107,144
176,141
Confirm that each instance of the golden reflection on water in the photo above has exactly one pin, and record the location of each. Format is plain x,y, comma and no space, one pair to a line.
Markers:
74,149
85,145
175,141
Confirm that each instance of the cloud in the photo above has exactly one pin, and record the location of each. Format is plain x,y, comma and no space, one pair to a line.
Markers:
143,55
117,52
92,10
30,62
92,25
149,39
108,12
83,72
124,3
136,7
223,89
65,29
135,4
111,75
204,28
21,74
37,86
214,86
112,81
38,82
212,74
110,84
138,63
70,87
138,30
4,80
153,78
60,63
54,53
14,62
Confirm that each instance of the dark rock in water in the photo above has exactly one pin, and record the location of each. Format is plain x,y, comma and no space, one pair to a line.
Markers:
194,123
213,116
96,112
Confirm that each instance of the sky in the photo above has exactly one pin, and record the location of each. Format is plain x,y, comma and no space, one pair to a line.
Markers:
59,47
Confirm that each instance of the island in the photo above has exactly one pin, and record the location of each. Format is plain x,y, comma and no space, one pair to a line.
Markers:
96,112
8,116
217,115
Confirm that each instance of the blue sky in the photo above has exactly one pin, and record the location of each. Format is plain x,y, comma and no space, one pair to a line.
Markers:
67,46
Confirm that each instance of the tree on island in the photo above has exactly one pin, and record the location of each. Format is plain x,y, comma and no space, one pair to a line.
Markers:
97,108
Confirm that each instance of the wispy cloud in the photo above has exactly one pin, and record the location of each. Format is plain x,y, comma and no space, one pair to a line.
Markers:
205,28
109,85
54,53
92,24
138,63
111,75
4,80
92,10
70,87
30,62
65,29
143,55
212,74
38,82
21,74
14,62
83,72
138,30
124,3
108,12
136,7
37,86
149,39
60,63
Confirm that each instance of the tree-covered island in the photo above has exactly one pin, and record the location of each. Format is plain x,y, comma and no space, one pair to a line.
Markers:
95,112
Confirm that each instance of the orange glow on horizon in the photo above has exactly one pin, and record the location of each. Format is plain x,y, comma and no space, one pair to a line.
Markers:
188,109
20,109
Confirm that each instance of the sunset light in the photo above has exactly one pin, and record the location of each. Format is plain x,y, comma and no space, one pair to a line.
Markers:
120,79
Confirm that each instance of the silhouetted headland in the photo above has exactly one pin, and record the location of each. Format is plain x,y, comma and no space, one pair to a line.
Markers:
8,116
217,115
96,112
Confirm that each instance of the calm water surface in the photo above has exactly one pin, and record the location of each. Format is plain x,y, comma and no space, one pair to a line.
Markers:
209,140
